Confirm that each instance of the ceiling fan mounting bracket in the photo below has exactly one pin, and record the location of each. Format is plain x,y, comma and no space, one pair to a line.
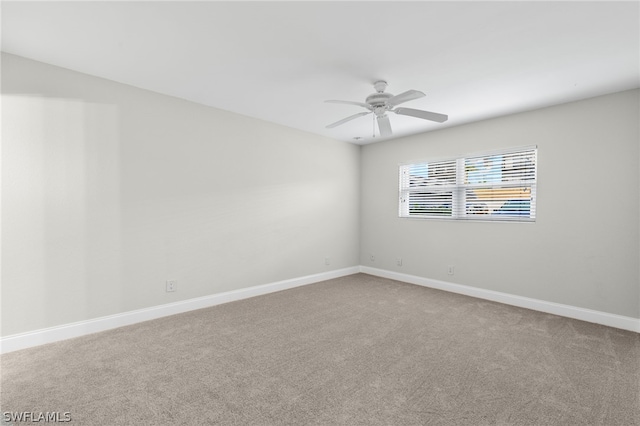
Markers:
380,86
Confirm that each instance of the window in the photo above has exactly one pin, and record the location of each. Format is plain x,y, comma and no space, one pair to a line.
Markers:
497,186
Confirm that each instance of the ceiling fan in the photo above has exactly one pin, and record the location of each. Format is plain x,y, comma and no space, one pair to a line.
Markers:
381,102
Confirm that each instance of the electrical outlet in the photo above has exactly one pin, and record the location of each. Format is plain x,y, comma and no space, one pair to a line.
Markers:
399,261
372,257
172,285
327,261
450,270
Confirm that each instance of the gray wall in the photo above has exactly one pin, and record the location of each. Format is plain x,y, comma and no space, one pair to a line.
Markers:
108,191
588,154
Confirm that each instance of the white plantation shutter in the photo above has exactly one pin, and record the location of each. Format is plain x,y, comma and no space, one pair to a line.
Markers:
494,186
427,188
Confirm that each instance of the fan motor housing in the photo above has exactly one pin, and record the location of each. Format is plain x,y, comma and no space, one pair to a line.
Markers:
378,99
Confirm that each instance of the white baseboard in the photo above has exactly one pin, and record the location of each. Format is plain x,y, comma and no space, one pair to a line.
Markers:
597,317
53,334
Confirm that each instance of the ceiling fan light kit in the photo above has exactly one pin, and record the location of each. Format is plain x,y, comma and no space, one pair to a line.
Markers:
381,102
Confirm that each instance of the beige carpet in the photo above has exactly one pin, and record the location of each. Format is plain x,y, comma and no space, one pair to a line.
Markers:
358,350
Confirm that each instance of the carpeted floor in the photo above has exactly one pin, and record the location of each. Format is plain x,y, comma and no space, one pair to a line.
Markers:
358,350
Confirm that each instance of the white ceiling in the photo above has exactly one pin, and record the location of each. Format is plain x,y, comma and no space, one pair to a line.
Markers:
278,61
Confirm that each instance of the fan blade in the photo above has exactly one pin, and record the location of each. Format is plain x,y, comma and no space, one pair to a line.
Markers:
344,120
350,103
409,95
425,115
384,125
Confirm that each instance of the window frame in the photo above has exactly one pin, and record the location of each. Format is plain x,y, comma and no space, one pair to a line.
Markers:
460,190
